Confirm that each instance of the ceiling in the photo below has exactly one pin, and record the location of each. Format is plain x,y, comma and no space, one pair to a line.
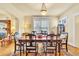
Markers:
23,9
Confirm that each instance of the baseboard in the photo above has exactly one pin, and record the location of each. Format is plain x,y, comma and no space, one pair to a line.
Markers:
73,46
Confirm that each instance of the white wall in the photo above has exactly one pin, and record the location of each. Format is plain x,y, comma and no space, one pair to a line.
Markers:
28,22
70,13
53,24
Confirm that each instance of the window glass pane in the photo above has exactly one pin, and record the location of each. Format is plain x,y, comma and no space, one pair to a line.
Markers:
41,24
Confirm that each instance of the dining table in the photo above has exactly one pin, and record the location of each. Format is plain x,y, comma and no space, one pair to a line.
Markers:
25,41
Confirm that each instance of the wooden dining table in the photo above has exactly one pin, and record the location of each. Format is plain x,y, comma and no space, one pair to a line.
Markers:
21,41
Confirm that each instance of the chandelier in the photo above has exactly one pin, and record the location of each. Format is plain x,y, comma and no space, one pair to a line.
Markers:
43,9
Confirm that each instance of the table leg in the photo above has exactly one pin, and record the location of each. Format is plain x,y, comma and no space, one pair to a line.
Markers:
59,49
26,49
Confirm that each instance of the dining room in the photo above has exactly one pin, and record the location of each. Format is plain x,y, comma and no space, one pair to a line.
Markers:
39,29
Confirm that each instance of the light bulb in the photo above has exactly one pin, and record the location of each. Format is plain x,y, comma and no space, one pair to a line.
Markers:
43,12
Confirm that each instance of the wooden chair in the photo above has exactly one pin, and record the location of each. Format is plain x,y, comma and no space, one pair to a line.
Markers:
44,32
51,45
54,44
17,45
34,32
31,46
64,38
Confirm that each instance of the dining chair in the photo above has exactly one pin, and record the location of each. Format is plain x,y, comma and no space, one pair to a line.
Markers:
17,45
31,45
64,38
44,32
34,32
51,47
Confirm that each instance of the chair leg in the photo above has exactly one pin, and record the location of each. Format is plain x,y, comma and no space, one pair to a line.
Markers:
23,49
56,52
20,50
35,53
59,49
15,50
26,49
66,48
45,53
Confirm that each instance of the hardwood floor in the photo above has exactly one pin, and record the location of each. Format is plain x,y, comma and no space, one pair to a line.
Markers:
9,49
73,50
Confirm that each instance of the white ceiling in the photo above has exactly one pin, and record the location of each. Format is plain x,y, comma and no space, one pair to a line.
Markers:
23,9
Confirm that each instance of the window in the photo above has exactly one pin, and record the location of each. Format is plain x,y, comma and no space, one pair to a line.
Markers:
41,23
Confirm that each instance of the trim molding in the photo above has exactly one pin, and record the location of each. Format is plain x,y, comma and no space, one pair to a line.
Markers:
74,46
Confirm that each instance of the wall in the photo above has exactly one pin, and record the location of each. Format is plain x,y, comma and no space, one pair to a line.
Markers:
77,30
24,23
14,21
53,24
28,24
14,24
70,13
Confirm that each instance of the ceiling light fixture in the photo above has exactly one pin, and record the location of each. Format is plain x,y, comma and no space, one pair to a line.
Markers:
43,9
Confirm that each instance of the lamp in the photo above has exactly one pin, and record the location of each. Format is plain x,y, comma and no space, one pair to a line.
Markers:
43,9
